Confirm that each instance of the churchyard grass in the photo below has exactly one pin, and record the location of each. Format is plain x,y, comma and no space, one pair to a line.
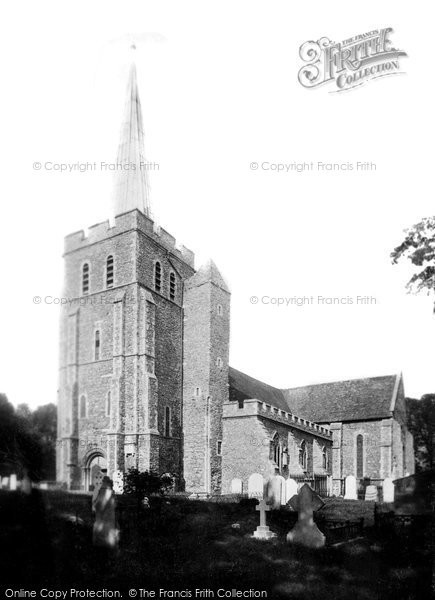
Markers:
182,543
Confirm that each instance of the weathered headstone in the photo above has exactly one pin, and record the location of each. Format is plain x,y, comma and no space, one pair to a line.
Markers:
350,491
13,482
104,532
263,532
118,482
291,489
236,486
97,481
414,494
305,531
388,490
26,484
275,493
371,493
96,476
5,483
256,486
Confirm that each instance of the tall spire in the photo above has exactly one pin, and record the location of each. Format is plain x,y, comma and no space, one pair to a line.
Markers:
131,188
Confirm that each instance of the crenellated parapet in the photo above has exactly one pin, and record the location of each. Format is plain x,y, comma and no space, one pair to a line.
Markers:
258,408
130,221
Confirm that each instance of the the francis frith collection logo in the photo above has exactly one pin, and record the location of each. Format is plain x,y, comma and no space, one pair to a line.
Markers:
349,63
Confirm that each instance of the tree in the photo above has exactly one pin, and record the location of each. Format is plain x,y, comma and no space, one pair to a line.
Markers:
421,423
43,422
19,448
143,483
419,247
27,440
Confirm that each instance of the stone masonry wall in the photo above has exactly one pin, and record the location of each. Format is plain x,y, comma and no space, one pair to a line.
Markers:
247,447
371,431
140,359
205,385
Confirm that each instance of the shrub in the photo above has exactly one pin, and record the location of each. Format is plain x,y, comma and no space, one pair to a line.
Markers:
144,483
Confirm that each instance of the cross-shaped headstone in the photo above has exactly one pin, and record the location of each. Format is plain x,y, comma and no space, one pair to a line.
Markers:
263,532
263,508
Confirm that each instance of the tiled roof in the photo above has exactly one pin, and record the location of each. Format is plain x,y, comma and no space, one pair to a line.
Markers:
353,400
248,387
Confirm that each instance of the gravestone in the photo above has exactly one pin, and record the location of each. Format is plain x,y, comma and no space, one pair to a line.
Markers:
13,482
104,533
26,484
97,479
388,489
236,486
371,493
256,486
276,491
263,532
291,489
118,482
306,532
350,491
5,483
414,494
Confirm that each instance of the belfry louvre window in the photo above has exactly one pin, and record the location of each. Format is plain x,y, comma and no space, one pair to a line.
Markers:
109,272
359,456
97,345
158,277
85,278
172,286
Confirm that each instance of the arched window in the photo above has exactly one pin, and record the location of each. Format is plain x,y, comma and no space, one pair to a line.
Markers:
83,407
220,310
158,277
109,272
97,345
359,456
197,392
85,278
108,403
219,362
275,450
172,286
303,455
324,458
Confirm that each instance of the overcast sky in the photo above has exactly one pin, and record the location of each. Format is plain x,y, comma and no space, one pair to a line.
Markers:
219,90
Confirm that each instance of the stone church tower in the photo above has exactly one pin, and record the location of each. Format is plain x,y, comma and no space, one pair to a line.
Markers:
206,350
136,311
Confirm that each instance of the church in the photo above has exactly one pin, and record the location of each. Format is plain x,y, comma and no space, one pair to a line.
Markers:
144,375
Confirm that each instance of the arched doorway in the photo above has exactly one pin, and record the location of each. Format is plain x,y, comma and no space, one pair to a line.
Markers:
95,470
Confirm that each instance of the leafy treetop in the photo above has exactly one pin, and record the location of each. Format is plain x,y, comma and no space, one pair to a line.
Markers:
419,247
